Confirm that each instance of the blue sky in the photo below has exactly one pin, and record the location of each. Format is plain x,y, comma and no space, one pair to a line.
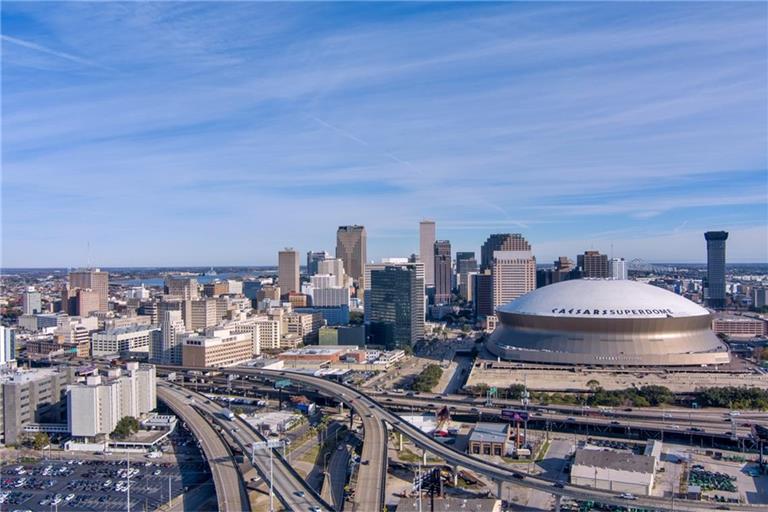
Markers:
216,133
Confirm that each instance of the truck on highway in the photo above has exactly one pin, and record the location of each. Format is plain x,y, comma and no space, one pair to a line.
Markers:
227,414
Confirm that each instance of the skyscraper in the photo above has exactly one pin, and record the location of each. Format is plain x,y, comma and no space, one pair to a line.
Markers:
7,345
93,279
31,301
186,289
465,265
618,268
563,270
167,346
313,259
426,246
501,242
514,274
482,291
593,264
443,271
714,291
395,311
333,267
351,244
288,276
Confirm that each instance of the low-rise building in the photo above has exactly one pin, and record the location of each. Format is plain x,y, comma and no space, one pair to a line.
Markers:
613,470
740,326
122,341
450,504
342,335
315,354
217,348
489,439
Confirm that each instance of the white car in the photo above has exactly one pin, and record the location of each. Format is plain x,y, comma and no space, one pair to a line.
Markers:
69,497
627,496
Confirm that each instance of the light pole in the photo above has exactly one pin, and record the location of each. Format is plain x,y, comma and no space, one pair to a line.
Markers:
269,445
128,493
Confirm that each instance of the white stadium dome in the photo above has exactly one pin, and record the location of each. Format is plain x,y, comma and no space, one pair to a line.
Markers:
606,322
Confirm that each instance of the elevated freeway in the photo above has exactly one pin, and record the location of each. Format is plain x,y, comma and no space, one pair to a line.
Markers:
364,404
230,490
291,489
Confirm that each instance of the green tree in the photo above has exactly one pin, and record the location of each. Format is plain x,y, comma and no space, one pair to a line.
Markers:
125,427
355,318
515,391
593,385
40,441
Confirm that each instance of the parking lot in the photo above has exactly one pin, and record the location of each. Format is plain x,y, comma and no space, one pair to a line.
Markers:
80,482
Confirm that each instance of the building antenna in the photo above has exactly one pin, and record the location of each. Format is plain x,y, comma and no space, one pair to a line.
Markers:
611,250
88,254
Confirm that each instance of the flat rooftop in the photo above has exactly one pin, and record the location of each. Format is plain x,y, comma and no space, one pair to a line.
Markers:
490,433
608,459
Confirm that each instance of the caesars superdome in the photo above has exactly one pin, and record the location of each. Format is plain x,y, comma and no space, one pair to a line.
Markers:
606,322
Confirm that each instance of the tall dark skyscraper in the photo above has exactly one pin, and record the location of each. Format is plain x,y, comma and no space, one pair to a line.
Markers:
501,242
483,294
714,289
465,265
351,244
395,305
313,259
443,272
593,264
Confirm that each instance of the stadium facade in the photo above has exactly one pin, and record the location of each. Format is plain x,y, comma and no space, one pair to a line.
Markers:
606,322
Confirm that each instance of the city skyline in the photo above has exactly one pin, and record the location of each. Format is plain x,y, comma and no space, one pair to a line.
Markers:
630,129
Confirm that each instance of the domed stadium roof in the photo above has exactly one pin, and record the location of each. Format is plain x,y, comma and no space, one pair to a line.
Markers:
603,298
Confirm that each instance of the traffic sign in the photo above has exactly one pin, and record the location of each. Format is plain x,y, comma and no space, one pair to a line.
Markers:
266,444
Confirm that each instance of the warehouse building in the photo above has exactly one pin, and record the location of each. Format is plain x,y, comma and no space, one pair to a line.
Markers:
614,471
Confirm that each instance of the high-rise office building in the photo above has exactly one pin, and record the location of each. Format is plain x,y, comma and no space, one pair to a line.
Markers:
564,269
465,265
592,264
333,267
204,313
427,236
482,291
185,288
7,346
714,292
514,274
167,347
501,242
31,302
618,268
443,271
216,288
288,276
760,296
92,279
86,301
395,313
313,259
351,243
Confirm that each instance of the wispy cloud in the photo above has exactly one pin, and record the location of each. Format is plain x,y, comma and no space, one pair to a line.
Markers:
557,120
50,51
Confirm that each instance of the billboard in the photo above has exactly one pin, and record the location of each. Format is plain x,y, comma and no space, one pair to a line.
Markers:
514,415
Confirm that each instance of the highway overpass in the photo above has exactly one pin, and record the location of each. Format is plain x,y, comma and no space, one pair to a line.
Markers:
230,491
